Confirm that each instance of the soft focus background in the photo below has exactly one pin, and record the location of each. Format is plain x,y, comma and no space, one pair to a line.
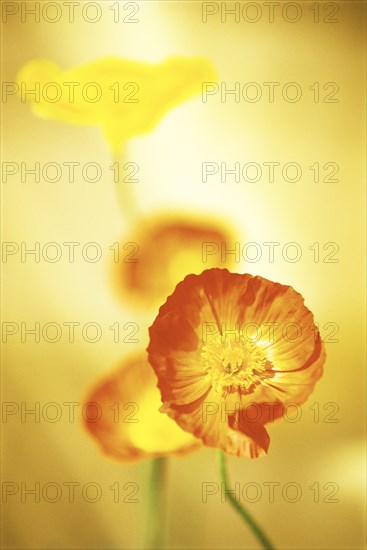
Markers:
170,160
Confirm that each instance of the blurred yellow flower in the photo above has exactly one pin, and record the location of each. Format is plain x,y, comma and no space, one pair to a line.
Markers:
126,98
124,416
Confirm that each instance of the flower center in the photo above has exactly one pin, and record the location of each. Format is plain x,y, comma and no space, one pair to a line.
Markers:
232,363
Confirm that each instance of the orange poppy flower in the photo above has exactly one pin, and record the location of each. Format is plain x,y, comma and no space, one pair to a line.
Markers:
161,251
122,414
231,352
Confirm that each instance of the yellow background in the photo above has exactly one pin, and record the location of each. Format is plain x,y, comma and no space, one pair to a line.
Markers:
170,160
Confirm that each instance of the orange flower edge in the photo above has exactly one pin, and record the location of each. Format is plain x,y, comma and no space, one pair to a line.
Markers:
162,249
230,352
122,415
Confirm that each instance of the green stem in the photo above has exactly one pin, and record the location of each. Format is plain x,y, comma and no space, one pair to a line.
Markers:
255,528
155,523
124,190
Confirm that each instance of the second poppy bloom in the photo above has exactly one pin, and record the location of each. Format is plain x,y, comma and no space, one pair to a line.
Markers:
230,352
122,415
160,251
126,98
